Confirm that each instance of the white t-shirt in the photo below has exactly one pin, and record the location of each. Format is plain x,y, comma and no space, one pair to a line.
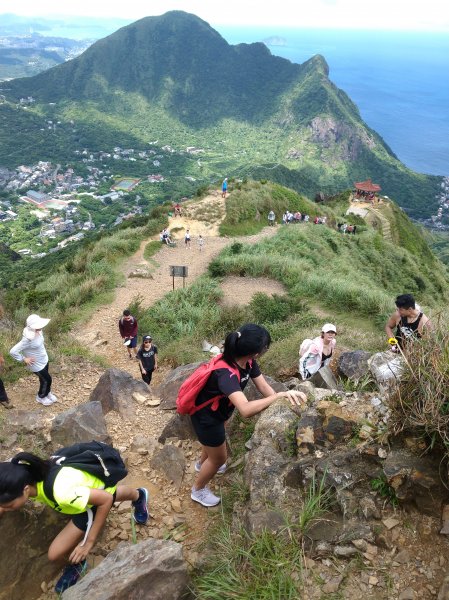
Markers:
31,349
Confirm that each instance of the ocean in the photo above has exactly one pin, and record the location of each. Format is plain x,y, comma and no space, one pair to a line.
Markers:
398,80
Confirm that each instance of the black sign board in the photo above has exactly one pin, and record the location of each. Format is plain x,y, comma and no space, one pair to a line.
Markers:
178,271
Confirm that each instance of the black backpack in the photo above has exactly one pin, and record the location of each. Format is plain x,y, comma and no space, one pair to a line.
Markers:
96,458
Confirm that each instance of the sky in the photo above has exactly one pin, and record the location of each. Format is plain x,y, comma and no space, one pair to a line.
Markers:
416,15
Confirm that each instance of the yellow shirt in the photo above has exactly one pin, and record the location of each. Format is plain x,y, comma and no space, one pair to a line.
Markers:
71,491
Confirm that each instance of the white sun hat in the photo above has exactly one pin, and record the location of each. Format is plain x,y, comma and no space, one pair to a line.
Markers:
34,322
328,327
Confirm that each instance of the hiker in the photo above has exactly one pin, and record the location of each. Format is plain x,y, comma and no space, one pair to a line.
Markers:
271,218
128,331
408,319
221,393
187,239
165,237
147,357
200,242
224,187
177,210
4,400
72,492
315,354
31,351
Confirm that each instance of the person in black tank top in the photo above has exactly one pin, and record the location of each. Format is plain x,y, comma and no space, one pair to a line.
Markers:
408,322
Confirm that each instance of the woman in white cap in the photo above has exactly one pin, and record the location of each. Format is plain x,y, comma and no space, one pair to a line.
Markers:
317,353
31,351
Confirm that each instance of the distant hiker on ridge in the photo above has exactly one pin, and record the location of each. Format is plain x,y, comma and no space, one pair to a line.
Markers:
31,351
271,218
128,330
224,187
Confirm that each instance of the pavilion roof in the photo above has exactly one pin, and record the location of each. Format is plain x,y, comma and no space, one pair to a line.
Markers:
367,186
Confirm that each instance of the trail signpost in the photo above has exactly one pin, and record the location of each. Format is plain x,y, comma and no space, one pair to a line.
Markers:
178,271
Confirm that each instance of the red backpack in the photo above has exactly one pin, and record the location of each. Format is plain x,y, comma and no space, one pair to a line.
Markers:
192,386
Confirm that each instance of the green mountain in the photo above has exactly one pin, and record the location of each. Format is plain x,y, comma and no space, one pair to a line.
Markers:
176,80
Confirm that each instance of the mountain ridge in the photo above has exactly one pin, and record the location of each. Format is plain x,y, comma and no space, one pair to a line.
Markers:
174,75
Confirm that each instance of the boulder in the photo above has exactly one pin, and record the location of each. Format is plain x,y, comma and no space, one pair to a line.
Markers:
264,475
309,431
115,389
415,479
338,422
277,424
151,569
180,427
171,463
144,446
386,367
354,365
252,393
29,533
82,423
324,378
257,521
168,390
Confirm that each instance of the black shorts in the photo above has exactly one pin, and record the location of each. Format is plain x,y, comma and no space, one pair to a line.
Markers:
209,434
81,519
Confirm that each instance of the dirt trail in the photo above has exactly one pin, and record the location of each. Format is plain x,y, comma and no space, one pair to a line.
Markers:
101,334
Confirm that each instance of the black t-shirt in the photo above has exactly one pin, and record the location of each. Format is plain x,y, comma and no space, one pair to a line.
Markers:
146,357
223,381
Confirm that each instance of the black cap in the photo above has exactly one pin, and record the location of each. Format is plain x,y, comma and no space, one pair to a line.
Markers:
147,337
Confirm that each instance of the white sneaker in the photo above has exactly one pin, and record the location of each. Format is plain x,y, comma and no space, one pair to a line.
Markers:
45,401
220,471
52,397
205,497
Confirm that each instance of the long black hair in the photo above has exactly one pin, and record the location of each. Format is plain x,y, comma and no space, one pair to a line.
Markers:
248,339
24,469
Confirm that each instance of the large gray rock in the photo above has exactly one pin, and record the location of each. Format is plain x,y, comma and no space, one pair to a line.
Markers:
443,593
354,365
26,536
277,424
252,393
386,368
82,423
168,390
324,378
171,463
415,479
152,569
180,427
115,389
264,475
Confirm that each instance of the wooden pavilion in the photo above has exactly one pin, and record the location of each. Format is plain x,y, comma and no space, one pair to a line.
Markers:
366,189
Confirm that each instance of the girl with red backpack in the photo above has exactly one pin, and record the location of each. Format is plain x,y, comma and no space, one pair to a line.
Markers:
221,393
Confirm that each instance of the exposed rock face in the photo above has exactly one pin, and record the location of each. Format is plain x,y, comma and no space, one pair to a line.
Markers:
114,390
83,423
386,367
168,390
251,391
26,536
324,378
354,365
152,569
180,427
278,424
170,462
309,432
415,479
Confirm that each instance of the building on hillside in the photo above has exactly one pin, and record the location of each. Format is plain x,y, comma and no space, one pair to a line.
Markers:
34,197
366,190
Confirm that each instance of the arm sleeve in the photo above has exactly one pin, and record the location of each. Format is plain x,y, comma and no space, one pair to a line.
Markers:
155,349
16,351
255,370
120,327
134,330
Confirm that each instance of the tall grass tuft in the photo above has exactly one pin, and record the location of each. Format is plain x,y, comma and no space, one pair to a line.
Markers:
421,402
